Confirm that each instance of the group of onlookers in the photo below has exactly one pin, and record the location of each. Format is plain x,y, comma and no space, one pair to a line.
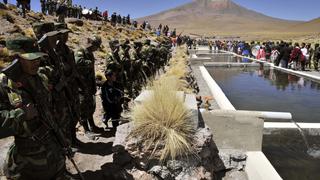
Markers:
284,54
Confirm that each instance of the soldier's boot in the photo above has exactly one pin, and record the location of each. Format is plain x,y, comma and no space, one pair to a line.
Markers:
74,140
115,123
85,125
93,127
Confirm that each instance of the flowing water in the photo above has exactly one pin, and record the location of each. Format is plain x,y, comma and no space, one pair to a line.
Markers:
293,152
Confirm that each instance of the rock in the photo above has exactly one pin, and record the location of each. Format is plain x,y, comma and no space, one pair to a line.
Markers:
120,140
142,175
75,21
233,159
162,172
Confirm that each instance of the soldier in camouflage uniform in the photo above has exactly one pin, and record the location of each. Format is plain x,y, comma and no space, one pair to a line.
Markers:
57,69
85,65
26,108
140,77
72,79
114,63
146,52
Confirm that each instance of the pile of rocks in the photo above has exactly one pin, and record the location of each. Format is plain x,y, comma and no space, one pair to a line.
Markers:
134,161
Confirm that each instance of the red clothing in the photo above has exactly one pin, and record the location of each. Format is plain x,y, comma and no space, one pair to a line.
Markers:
296,55
105,14
261,54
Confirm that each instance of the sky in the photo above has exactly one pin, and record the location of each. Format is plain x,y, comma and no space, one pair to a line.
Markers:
286,9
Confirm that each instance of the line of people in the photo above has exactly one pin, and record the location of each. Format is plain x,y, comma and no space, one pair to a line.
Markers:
48,89
285,54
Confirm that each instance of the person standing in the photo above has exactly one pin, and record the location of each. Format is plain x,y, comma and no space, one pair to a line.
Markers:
26,108
43,6
111,99
316,56
85,65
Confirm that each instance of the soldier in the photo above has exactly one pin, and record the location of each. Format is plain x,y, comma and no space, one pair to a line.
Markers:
43,6
85,65
111,98
61,12
113,59
26,108
140,76
72,80
146,52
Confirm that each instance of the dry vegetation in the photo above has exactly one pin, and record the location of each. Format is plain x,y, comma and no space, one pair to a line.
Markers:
163,120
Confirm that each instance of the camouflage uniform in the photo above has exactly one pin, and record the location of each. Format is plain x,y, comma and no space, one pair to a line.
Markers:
72,82
36,153
114,63
85,66
55,68
146,52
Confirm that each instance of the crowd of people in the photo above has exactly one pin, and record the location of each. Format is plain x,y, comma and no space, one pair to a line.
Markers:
284,54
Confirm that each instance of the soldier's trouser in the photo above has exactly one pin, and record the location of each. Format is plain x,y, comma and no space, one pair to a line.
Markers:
25,163
87,108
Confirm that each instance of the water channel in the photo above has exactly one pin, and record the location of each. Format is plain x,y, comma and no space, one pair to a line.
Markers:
265,89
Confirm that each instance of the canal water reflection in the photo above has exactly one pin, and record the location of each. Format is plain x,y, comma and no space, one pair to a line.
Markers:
266,89
270,90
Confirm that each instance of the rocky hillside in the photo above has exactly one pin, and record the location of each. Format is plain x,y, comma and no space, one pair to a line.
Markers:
12,23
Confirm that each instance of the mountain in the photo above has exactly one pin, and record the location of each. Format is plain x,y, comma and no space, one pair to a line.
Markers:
310,26
219,17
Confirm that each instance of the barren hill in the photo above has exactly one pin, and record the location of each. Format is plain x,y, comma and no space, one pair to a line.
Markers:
221,17
310,26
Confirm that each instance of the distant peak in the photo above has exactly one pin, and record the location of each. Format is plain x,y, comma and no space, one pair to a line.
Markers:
214,4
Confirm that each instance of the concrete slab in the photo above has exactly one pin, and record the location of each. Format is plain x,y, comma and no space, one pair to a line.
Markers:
235,131
258,167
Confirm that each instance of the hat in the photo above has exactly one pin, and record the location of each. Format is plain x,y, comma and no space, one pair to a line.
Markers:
114,43
60,26
42,28
137,43
147,42
24,47
96,41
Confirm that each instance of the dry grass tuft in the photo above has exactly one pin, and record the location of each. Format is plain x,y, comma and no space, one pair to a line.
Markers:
29,33
164,119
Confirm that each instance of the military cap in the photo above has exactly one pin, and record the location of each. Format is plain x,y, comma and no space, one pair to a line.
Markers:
137,43
42,28
96,41
61,28
147,42
114,43
24,47
108,73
